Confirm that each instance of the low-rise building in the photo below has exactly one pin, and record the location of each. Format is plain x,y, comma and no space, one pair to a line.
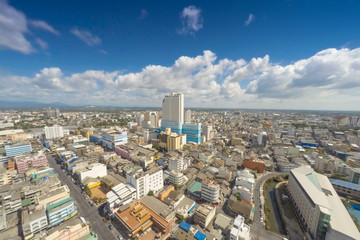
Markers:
33,221
176,178
188,232
118,196
60,211
75,232
210,191
239,230
204,214
28,161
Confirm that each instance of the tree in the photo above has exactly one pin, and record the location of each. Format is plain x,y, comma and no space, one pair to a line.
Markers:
88,191
238,196
151,193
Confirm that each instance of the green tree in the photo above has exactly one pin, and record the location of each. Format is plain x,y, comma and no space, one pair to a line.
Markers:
150,193
238,196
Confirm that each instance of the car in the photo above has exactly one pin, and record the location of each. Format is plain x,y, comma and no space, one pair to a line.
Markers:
120,237
110,227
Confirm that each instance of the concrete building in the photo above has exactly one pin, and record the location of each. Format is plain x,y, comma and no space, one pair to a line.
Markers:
17,149
178,164
51,112
207,132
173,108
245,179
95,170
188,232
262,139
75,232
143,182
60,211
187,118
14,135
318,207
204,214
210,191
112,138
176,178
33,221
171,141
244,192
346,189
152,118
119,195
28,161
354,175
239,230
53,132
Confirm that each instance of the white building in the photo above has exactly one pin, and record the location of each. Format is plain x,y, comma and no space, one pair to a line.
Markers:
173,108
207,132
245,193
187,116
319,208
143,182
239,230
204,214
176,178
33,221
210,191
178,164
93,171
261,139
53,132
112,138
119,195
246,179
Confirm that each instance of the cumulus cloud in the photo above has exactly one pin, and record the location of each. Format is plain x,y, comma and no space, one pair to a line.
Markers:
143,14
14,27
328,80
249,20
191,20
86,36
44,26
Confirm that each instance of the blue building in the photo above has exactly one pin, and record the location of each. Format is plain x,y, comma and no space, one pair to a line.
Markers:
192,131
61,211
112,138
95,138
17,149
186,231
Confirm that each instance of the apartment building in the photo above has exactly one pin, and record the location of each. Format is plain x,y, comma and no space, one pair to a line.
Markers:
176,178
318,207
33,221
143,182
60,211
204,214
53,132
17,149
210,191
28,161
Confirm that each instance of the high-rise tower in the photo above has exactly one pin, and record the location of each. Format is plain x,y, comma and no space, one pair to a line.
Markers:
173,108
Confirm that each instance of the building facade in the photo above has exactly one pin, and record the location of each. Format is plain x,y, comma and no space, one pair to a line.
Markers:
53,132
25,162
173,108
17,149
210,191
143,182
112,138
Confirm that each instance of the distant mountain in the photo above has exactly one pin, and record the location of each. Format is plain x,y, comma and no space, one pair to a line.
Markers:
10,104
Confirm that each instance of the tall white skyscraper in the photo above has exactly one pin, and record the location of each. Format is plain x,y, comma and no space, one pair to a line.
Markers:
188,116
173,108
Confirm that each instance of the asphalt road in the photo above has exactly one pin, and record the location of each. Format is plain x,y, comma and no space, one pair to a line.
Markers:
85,210
258,230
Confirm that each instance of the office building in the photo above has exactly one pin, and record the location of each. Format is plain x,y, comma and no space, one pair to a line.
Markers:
143,182
187,118
60,211
193,132
207,132
173,108
319,209
28,161
53,132
51,112
210,191
17,149
112,138
204,214
178,164
188,232
171,141
118,196
152,118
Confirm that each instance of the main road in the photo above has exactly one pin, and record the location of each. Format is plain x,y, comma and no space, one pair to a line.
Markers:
258,230
85,210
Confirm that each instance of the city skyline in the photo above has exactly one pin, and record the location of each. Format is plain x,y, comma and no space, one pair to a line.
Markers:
131,56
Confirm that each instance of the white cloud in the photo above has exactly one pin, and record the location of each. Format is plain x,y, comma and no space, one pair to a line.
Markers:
42,43
13,27
43,25
249,20
191,20
103,51
328,80
86,36
143,14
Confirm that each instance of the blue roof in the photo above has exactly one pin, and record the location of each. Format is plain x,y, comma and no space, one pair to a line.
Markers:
200,236
345,184
185,226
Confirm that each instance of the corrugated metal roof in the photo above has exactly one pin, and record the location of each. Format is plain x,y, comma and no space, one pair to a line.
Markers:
345,184
185,226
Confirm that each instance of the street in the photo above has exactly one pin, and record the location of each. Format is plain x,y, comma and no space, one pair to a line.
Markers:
84,209
258,230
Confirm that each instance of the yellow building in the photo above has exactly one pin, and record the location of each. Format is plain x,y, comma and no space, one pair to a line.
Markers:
87,132
171,141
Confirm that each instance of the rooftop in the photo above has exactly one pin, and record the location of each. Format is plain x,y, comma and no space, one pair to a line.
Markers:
341,183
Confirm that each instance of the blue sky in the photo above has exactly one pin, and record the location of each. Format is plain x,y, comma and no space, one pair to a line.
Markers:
229,53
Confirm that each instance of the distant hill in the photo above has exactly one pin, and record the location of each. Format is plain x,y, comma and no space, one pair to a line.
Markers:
10,104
